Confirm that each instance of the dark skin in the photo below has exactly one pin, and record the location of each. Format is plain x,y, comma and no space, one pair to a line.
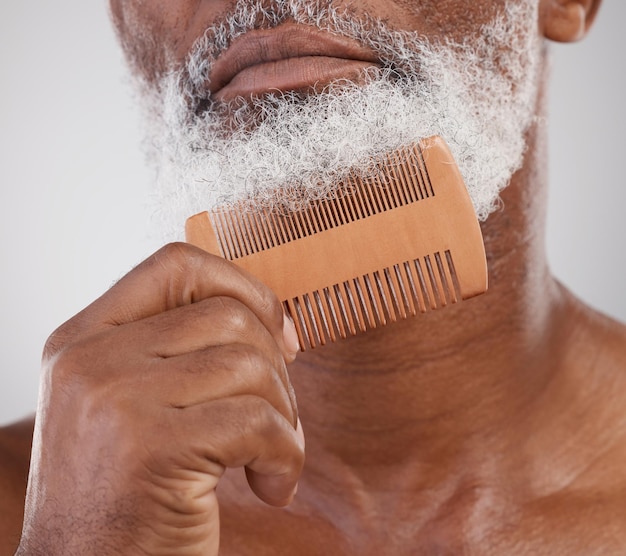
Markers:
500,430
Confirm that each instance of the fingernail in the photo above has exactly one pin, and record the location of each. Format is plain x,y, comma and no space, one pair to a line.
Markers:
290,336
292,495
300,433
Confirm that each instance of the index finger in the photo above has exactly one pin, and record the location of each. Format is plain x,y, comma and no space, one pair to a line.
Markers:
180,274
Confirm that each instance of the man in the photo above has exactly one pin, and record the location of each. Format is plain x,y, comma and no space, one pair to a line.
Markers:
495,426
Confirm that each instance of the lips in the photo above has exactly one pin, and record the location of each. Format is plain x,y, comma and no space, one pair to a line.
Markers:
288,58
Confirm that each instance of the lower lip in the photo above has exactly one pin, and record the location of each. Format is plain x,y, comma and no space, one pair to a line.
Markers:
291,74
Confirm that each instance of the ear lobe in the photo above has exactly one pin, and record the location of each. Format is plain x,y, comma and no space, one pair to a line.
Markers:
568,20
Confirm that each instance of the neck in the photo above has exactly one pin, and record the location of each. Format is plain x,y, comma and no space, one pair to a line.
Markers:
441,387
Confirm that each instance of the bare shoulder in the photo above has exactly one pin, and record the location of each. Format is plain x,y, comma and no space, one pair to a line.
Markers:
15,443
581,504
614,335
596,499
605,380
575,522
600,332
596,345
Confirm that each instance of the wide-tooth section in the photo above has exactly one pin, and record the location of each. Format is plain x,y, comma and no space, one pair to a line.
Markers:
369,301
399,180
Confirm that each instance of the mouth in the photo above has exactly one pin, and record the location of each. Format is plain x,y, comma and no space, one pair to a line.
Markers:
291,57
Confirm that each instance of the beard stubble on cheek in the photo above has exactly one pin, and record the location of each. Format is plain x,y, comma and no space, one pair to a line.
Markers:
285,149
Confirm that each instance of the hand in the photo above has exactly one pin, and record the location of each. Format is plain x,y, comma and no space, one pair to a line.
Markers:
147,396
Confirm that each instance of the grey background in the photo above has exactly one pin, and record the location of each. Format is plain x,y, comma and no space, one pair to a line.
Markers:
75,192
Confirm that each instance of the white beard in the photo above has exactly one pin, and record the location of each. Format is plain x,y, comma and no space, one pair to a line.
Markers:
478,95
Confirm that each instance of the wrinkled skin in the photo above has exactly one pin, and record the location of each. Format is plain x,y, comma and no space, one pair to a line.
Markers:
494,427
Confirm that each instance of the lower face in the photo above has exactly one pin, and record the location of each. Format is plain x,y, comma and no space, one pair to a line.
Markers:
465,71
162,32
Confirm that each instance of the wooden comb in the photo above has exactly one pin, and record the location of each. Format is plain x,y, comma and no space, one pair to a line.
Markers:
402,241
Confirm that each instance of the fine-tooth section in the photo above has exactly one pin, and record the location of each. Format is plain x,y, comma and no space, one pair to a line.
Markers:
400,180
400,241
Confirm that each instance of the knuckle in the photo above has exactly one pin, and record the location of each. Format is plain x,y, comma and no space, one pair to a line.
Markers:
65,335
266,421
91,399
61,366
84,365
232,314
56,341
86,360
269,377
270,305
253,361
175,259
261,416
277,431
184,267
60,341
185,257
175,253
261,373
249,371
65,379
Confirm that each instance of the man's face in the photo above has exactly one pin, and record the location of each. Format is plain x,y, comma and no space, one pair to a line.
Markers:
275,100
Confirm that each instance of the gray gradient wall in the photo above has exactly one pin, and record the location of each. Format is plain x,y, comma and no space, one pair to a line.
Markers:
74,190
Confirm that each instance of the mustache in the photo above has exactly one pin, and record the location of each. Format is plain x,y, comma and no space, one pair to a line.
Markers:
398,51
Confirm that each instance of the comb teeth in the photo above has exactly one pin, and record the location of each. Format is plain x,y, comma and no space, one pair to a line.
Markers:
401,179
372,300
401,241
